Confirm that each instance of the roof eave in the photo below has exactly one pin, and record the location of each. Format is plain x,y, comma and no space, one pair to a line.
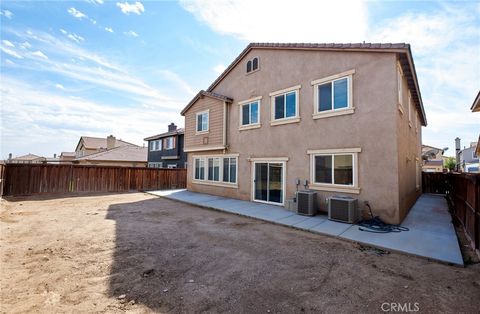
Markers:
476,104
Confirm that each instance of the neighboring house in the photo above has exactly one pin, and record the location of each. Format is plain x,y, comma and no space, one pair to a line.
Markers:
345,117
89,145
26,159
166,150
432,159
67,157
54,161
121,156
469,161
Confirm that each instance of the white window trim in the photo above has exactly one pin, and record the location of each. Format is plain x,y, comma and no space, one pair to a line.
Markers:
283,161
252,71
196,122
285,91
154,144
331,79
400,88
409,109
221,183
166,143
354,189
240,120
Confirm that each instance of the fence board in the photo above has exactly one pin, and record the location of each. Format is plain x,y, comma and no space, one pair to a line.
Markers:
29,179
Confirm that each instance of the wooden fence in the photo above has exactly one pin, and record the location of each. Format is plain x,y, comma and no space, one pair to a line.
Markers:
30,179
463,193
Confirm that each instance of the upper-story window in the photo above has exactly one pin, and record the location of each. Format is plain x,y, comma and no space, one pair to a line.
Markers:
250,113
252,65
333,95
169,143
155,145
202,122
410,109
285,105
400,85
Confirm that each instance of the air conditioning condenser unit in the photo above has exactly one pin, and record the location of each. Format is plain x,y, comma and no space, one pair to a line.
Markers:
307,203
343,209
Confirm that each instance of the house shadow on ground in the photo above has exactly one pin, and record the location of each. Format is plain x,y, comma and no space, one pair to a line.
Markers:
177,258
173,257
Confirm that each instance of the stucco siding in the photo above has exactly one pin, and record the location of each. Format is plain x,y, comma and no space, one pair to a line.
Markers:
371,128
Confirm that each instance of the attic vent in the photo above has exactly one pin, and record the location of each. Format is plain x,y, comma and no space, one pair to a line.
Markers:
252,65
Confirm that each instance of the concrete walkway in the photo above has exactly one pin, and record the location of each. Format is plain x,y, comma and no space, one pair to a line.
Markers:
431,233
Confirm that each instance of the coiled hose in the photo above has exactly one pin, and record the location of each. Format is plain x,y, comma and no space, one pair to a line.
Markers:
376,225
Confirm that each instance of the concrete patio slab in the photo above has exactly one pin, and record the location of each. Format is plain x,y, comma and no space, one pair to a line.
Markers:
431,233
331,228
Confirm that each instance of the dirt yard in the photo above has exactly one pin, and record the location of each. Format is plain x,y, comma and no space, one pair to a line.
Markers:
137,253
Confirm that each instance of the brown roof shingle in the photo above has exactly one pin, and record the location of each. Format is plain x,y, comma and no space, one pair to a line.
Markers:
122,153
203,93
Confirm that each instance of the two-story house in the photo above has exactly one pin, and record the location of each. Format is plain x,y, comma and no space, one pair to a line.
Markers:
166,150
344,118
432,159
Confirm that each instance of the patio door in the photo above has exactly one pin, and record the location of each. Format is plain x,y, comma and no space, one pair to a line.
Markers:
268,182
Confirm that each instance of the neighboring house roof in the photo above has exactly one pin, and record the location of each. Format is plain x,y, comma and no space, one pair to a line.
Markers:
434,162
402,49
166,134
202,94
476,104
122,153
98,142
28,157
67,154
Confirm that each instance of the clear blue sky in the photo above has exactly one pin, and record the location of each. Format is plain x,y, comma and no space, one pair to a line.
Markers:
127,68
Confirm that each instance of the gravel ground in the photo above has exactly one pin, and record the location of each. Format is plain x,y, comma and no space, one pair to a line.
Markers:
138,253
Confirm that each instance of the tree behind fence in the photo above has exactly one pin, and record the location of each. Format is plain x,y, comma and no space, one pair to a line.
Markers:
28,179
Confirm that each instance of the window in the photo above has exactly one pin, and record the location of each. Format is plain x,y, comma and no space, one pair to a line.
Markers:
202,122
155,165
252,65
410,111
199,169
169,143
285,106
230,170
250,113
334,170
400,85
333,95
213,169
154,145
216,170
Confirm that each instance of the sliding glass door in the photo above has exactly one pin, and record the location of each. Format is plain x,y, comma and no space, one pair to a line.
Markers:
268,182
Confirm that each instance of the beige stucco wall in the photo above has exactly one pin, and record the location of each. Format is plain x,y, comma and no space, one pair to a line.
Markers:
409,139
214,136
372,127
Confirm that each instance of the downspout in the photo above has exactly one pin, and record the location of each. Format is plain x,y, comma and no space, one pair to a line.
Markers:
225,115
